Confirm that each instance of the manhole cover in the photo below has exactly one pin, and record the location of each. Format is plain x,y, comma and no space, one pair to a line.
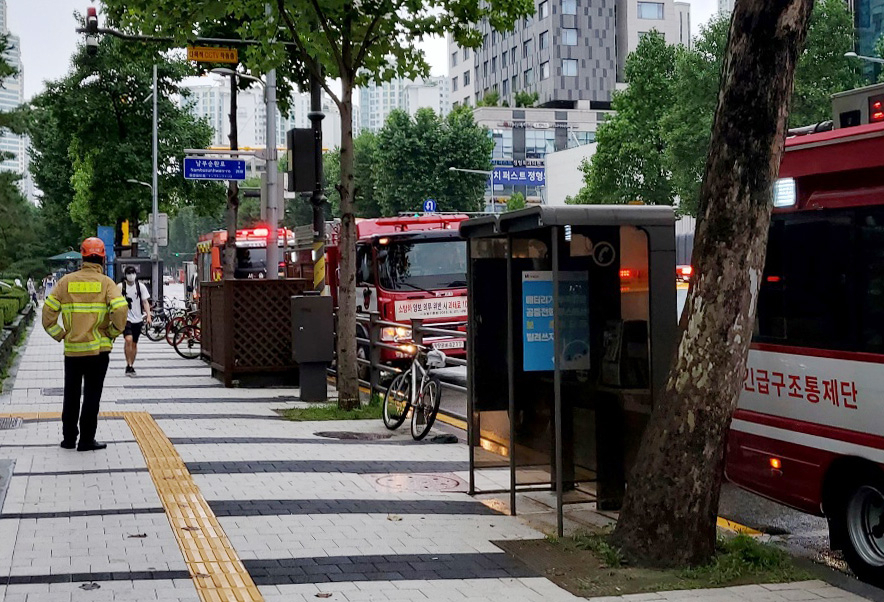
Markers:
419,482
353,435
7,424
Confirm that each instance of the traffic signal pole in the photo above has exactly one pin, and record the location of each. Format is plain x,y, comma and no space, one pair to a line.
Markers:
155,250
318,198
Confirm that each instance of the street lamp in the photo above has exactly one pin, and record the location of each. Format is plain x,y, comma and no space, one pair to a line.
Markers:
871,59
270,158
481,172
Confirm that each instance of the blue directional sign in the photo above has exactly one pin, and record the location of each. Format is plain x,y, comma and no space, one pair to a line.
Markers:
430,205
198,168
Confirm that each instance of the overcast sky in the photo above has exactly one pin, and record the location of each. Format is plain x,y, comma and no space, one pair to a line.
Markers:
46,28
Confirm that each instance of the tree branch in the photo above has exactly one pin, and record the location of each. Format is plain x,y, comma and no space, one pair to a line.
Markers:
312,63
327,27
367,40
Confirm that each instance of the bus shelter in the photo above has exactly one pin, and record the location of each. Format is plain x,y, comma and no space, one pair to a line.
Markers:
572,327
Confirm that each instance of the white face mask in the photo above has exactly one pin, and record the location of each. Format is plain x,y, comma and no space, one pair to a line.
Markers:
130,278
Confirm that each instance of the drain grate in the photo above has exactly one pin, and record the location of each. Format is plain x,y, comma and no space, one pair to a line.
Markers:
7,424
52,392
354,436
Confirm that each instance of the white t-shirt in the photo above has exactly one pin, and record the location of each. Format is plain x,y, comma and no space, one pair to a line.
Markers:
136,309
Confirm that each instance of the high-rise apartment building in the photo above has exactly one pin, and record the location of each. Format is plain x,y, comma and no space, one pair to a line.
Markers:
11,96
725,7
378,100
209,98
571,52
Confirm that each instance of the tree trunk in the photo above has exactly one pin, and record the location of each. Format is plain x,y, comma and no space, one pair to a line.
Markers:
348,384
669,513
232,193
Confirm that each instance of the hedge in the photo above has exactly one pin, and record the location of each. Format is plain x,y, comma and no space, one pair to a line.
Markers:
19,295
8,310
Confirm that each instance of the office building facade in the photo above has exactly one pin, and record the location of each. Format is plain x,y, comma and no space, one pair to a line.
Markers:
12,95
571,52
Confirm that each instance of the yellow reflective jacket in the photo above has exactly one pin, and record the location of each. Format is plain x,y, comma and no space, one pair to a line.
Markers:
93,313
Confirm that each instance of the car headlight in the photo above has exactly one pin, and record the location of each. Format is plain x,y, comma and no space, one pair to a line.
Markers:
393,333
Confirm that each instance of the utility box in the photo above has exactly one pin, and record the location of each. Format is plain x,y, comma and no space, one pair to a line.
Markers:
312,343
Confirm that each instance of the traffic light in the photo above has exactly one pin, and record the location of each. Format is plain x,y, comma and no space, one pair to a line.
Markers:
91,31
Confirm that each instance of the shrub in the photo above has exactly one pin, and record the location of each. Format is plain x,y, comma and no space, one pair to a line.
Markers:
8,310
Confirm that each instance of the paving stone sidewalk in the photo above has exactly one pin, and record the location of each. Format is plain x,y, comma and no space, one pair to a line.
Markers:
305,514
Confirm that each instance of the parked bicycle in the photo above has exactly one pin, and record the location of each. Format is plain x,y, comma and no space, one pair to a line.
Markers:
415,389
161,315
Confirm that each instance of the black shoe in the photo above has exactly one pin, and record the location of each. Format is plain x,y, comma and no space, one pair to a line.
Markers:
91,446
68,444
130,371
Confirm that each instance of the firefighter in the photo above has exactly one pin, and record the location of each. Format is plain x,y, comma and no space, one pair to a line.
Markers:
93,315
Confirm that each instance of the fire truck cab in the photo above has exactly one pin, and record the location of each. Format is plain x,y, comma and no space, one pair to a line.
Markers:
407,268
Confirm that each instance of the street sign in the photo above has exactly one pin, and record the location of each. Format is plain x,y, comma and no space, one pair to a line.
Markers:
197,168
430,205
205,54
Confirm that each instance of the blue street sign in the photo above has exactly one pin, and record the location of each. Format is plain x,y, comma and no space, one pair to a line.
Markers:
430,205
197,168
106,234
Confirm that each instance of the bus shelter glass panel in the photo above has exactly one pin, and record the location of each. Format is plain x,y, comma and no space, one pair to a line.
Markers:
490,419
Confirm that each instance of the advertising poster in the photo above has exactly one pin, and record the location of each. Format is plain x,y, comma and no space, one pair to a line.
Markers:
538,311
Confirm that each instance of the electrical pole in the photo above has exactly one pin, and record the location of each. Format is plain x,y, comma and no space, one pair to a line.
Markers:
318,199
155,251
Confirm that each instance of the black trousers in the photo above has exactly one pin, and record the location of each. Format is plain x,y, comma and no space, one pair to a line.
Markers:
84,374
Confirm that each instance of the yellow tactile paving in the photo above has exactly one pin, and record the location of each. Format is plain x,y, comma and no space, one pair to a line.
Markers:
216,570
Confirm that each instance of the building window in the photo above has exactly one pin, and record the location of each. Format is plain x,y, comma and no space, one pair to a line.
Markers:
494,64
543,11
569,7
466,54
544,40
505,86
466,78
494,38
529,77
485,41
528,48
453,59
485,70
569,67
650,10
515,56
515,83
454,84
569,37
544,70
503,58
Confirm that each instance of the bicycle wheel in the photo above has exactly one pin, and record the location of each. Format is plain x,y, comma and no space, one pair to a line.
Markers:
396,401
424,414
173,327
187,343
156,330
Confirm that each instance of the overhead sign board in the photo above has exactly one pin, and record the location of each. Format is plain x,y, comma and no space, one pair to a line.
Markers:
519,175
198,168
205,54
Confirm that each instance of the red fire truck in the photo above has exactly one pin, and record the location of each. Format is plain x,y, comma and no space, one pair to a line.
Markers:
410,267
251,255
809,428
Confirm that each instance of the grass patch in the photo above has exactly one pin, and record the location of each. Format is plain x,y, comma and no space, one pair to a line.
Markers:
372,411
587,565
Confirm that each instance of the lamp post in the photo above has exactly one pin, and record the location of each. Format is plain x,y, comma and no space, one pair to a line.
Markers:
154,256
270,157
481,172
871,59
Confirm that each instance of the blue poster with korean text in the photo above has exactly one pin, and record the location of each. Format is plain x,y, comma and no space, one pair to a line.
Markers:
538,325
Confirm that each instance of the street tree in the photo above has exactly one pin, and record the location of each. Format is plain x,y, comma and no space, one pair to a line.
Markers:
365,172
628,164
669,512
414,155
93,129
349,40
684,118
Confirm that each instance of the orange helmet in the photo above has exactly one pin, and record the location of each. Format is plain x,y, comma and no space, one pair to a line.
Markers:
92,247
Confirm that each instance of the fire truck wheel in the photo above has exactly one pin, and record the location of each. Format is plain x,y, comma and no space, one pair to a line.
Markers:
859,524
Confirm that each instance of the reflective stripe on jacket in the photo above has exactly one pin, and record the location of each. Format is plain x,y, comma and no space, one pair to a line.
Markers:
93,312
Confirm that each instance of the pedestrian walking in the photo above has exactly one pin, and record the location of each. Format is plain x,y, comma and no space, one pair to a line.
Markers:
138,300
93,315
32,291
